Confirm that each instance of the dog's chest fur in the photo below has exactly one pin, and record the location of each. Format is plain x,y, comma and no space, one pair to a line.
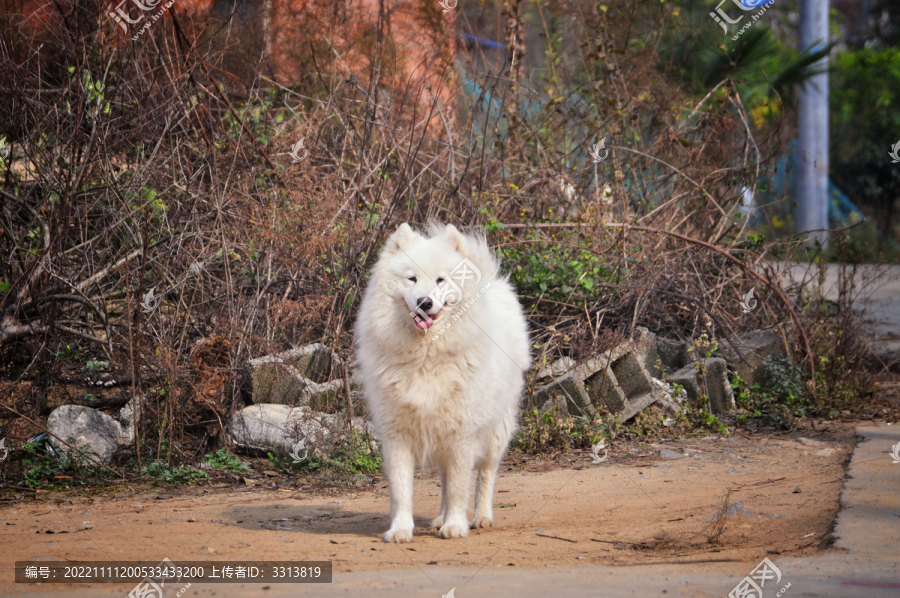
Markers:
429,405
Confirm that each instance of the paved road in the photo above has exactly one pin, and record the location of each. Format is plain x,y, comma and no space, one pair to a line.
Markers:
865,561
876,294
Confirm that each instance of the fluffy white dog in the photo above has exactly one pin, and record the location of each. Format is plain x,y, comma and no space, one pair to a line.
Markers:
442,346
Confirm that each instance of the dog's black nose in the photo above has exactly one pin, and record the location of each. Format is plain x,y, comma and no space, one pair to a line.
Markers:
424,303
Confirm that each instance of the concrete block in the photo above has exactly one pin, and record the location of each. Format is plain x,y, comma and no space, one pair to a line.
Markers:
557,369
624,387
658,355
604,391
270,427
569,389
633,379
721,397
305,376
688,379
755,347
672,354
602,361
619,380
637,404
558,403
645,349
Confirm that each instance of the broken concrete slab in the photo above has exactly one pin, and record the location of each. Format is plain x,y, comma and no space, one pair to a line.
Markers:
620,380
305,376
556,403
614,381
645,348
604,390
720,394
636,405
717,388
568,391
669,398
633,379
688,378
754,347
93,431
284,429
557,369
672,354
659,356
274,427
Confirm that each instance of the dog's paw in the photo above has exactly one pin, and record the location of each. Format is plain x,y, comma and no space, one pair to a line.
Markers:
398,535
437,522
483,523
453,531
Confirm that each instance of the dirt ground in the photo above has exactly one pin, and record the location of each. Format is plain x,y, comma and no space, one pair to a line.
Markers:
781,490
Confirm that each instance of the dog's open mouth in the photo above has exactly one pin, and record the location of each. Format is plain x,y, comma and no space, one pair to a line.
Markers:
424,321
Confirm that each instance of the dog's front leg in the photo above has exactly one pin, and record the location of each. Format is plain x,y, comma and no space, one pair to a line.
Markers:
456,486
400,468
438,522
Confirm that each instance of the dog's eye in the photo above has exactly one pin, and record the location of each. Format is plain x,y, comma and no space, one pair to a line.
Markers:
412,278
440,280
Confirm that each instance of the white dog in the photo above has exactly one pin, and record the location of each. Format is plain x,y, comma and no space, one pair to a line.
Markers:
442,346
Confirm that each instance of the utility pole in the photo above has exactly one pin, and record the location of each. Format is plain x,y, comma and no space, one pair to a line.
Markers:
812,128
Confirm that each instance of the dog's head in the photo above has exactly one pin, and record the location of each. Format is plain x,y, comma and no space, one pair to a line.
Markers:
427,277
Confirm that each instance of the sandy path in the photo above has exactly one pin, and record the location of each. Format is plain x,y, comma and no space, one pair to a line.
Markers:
636,508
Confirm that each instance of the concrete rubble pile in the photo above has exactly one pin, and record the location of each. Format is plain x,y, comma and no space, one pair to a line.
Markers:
289,389
628,378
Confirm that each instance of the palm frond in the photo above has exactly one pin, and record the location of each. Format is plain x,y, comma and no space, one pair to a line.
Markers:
748,51
807,64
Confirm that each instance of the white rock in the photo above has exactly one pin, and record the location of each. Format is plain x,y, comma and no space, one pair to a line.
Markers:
83,427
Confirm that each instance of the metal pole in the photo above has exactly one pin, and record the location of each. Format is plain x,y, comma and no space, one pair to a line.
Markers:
812,129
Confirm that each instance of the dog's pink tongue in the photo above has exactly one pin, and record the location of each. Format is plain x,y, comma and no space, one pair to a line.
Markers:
423,323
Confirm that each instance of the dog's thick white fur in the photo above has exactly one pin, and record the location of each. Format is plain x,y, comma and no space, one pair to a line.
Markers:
442,385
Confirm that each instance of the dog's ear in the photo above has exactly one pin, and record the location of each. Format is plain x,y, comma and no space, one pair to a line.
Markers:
456,239
401,237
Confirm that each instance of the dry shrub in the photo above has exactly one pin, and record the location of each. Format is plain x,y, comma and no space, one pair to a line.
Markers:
139,168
